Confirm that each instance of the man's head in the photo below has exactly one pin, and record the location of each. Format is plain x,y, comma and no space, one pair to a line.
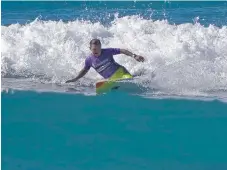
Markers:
95,46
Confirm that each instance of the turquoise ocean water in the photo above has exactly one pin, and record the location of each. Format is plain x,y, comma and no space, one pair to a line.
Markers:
178,123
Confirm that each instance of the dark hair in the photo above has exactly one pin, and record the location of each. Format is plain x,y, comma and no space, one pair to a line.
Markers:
95,41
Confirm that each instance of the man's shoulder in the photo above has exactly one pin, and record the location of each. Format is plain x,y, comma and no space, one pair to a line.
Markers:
112,51
105,50
108,50
88,58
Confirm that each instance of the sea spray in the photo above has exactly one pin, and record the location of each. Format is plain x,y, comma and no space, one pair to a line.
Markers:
182,57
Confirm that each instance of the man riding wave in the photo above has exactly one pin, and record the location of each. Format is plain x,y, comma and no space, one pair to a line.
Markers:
103,62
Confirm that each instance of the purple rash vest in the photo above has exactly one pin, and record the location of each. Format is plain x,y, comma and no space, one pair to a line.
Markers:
103,64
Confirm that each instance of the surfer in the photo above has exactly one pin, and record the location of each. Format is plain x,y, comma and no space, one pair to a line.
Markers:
103,62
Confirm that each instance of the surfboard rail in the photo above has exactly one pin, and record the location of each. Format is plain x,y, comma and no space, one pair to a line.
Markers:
105,86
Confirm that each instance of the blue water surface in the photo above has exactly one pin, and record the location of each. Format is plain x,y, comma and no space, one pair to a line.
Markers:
116,131
211,12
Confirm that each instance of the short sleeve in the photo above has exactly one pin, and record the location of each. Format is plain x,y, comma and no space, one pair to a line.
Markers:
87,64
114,51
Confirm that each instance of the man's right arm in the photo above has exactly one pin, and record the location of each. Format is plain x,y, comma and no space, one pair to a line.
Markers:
81,74
84,71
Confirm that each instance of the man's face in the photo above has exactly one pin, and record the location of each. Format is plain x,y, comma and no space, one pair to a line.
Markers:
96,49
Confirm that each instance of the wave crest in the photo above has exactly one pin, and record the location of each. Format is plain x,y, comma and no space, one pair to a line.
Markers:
185,56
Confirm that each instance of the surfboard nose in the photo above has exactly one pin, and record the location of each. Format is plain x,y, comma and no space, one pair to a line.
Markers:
99,84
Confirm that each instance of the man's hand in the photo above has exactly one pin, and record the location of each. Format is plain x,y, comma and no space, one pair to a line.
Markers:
139,58
68,81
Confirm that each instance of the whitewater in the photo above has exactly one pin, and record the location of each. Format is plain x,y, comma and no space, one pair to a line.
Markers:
186,59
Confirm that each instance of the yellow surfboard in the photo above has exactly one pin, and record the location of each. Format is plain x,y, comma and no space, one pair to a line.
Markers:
124,85
120,80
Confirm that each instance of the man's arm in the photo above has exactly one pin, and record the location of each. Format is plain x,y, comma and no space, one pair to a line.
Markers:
128,53
81,74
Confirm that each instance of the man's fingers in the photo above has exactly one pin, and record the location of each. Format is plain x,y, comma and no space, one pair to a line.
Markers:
140,59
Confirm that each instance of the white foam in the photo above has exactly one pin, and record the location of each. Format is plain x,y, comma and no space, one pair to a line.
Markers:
186,58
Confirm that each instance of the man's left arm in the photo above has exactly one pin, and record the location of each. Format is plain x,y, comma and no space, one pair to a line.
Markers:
135,56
